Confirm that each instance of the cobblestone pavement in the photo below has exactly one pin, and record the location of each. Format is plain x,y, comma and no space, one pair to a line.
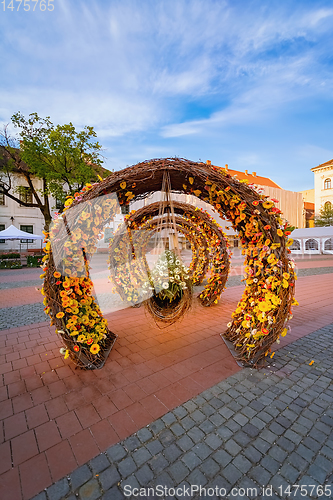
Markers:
11,317
272,427
20,284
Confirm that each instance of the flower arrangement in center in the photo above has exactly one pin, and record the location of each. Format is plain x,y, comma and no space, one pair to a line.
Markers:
168,279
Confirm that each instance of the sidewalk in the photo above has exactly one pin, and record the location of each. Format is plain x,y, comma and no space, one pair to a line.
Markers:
56,418
270,429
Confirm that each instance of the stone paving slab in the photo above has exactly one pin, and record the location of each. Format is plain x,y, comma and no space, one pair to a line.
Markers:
268,428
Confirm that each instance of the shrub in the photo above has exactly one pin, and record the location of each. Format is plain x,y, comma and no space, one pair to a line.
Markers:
12,255
34,260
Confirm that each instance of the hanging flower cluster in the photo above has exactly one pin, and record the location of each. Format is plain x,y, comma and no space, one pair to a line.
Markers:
168,279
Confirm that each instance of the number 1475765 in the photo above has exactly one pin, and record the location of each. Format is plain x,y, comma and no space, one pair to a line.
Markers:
28,5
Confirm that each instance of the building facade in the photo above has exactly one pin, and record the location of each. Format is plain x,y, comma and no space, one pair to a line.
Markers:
27,219
323,186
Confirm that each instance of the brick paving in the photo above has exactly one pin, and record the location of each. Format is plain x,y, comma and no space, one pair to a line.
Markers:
254,429
55,418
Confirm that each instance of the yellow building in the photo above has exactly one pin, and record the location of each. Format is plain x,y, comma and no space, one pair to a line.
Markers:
323,182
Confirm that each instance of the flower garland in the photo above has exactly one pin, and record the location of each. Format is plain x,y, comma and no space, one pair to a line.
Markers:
68,300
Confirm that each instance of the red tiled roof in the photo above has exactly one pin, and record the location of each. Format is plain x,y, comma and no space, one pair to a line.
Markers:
253,179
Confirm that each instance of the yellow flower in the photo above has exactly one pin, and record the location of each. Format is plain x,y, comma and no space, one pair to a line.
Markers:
56,274
289,242
94,349
272,259
267,204
265,306
284,332
191,180
60,314
279,232
123,185
286,276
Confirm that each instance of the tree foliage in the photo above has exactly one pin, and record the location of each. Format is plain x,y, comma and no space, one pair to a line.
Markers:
63,158
325,217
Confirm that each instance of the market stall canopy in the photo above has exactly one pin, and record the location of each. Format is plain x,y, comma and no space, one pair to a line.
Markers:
12,233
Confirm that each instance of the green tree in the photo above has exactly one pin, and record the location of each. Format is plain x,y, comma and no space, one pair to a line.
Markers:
64,159
325,217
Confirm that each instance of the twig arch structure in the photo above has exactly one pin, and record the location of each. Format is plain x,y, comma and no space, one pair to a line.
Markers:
208,244
265,306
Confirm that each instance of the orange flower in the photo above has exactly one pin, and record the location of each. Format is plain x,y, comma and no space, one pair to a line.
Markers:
90,341
76,348
255,203
279,232
60,314
94,349
56,274
264,331
267,227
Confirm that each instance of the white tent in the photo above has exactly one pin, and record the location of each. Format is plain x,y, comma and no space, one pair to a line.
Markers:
312,240
12,233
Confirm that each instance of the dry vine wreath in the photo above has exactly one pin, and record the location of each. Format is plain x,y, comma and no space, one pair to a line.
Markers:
265,306
208,244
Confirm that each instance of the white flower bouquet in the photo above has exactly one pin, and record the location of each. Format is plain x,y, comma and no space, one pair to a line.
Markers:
168,279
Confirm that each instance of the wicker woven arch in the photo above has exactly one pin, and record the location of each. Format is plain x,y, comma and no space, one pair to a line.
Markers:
265,306
208,242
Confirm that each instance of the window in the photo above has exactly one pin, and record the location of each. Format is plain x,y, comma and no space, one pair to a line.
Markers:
327,184
27,229
328,205
311,244
59,204
108,234
329,244
2,199
296,245
2,228
25,194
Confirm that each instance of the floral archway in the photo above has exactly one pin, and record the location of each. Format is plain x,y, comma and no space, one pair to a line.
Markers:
265,306
208,242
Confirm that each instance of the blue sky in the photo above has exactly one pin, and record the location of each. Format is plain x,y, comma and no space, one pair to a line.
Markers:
248,83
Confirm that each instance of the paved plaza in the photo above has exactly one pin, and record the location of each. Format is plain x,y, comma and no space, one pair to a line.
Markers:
171,407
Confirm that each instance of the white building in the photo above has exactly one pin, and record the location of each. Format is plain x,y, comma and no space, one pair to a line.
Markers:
323,185
27,219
